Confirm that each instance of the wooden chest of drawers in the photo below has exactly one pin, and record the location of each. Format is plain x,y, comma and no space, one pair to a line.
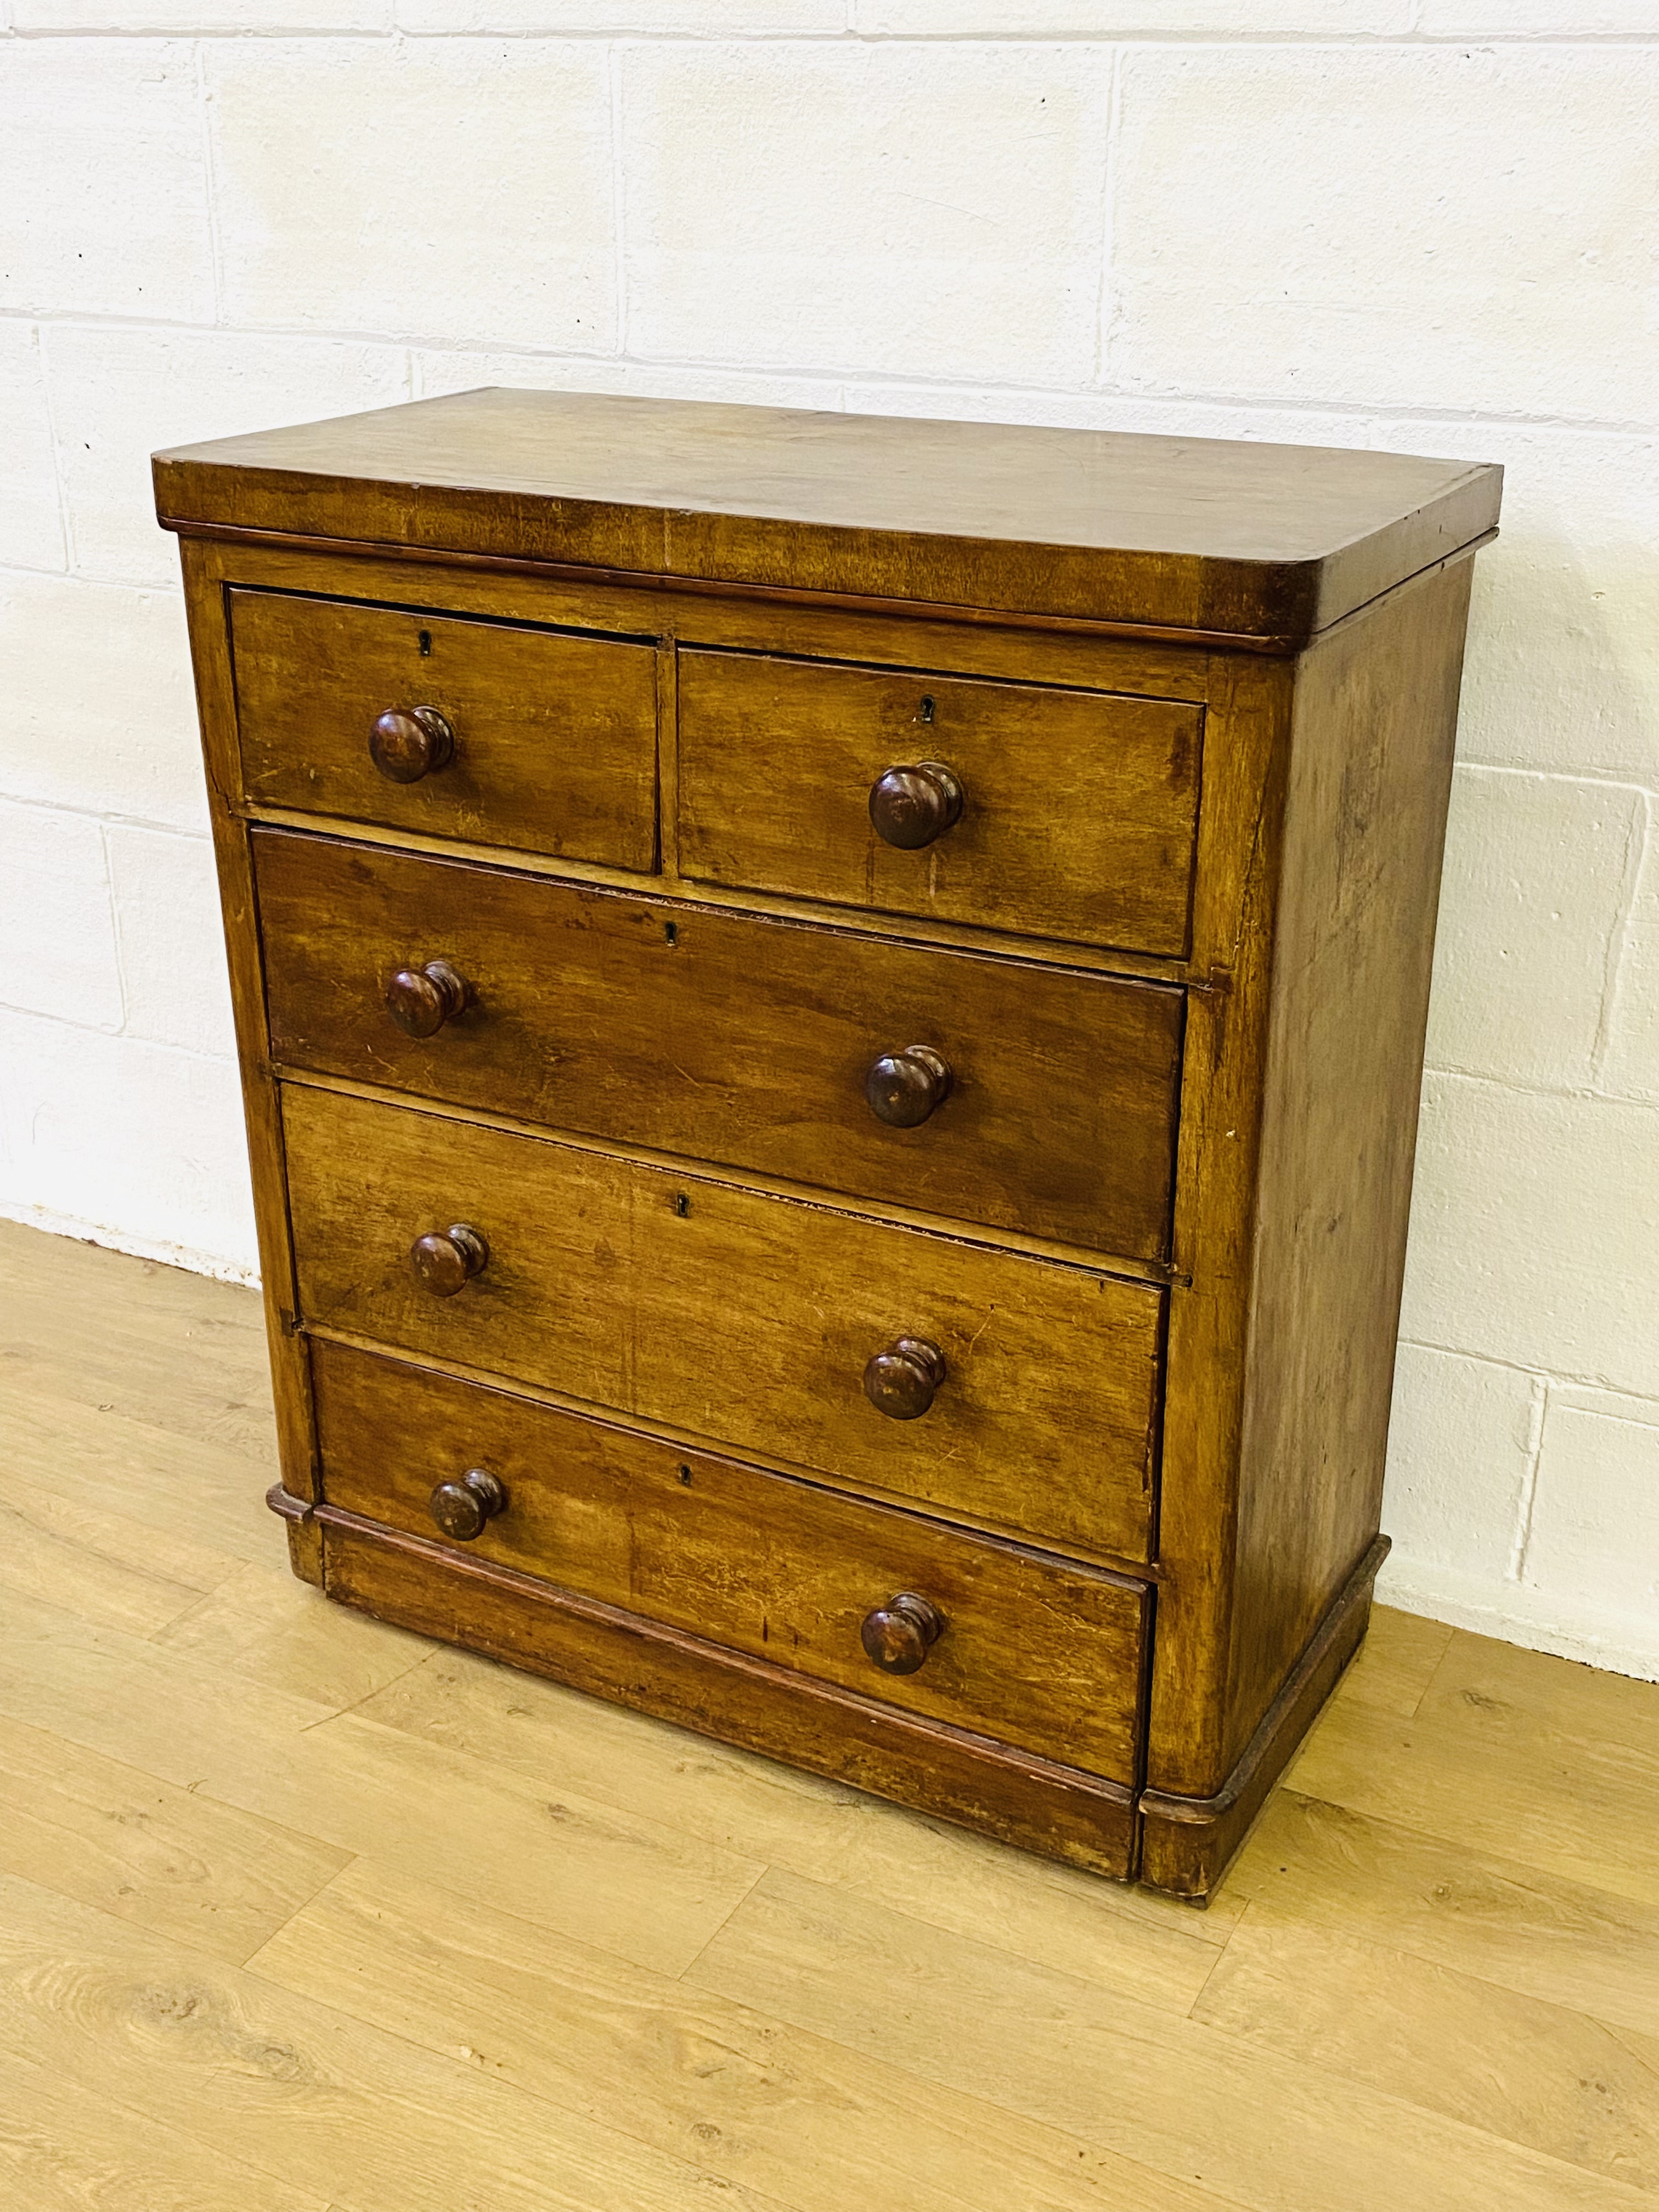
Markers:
831,1014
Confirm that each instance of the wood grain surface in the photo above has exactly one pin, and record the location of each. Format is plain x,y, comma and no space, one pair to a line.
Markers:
1371,741
732,1039
554,735
599,1286
1035,1652
954,1774
1077,816
1270,541
910,682
482,1937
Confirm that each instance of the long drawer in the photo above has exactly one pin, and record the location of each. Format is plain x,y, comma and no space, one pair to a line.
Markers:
1059,813
544,740
731,1038
1022,1393
1033,1650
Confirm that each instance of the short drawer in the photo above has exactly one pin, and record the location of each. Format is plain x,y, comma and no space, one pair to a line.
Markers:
552,744
733,1039
1010,1642
745,1320
1078,809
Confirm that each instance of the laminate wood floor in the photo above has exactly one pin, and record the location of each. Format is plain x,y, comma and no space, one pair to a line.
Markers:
298,1912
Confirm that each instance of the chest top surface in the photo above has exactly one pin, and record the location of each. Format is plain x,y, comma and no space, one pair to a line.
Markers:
1265,543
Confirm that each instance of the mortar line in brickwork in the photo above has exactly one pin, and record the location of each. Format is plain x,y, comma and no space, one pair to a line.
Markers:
211,187
1360,411
1638,832
1106,297
1538,1413
1231,42
111,818
853,379
1600,777
1557,1378
1578,1093
619,201
123,1035
60,481
114,905
169,590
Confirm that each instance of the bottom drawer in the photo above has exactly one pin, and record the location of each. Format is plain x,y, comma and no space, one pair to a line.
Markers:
1008,1642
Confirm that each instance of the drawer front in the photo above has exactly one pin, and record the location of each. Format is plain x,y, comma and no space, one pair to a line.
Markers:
746,1320
733,1039
1078,809
1033,1651
555,736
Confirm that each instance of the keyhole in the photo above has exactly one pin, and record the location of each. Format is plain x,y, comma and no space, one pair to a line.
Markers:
927,709
671,931
682,1205
426,643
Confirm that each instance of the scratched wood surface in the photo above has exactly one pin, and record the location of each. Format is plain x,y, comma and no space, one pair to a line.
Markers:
301,1914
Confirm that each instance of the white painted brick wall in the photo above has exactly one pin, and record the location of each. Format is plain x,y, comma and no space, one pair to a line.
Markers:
118,392
31,526
427,188
1451,227
1427,225
889,206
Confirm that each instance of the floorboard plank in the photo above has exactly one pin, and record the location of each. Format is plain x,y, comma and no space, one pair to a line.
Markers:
1511,2065
262,1622
175,1861
107,1568
619,1879
681,2069
1499,1919
517,1949
1127,1939
1174,2095
1396,1663
93,1457
325,2103
65,2148
158,1346
1536,1702
1489,1779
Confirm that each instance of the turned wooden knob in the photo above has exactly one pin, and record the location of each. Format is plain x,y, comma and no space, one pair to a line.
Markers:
461,1507
899,1635
422,1000
900,1381
904,1087
912,807
405,745
446,1259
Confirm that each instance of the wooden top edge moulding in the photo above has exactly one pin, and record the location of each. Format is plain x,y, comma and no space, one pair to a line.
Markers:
1266,544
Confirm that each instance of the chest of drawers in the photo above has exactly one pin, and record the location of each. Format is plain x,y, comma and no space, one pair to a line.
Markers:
830,1014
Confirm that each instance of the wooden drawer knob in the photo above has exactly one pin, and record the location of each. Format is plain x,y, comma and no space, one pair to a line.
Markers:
903,1087
446,1259
900,1381
899,1635
422,1000
461,1507
912,807
406,745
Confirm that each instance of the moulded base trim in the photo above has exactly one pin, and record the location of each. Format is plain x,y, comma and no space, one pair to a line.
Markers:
1187,1842
950,1772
